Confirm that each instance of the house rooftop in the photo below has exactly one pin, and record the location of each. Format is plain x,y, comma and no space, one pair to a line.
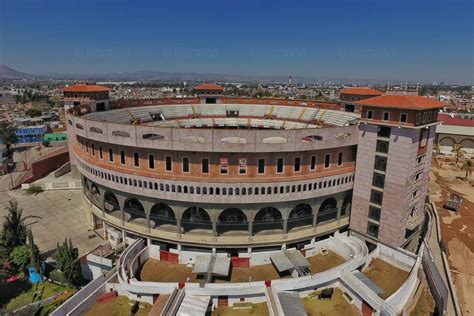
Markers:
361,91
410,102
209,86
86,88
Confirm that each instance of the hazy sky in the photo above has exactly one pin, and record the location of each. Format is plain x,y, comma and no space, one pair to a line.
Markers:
429,40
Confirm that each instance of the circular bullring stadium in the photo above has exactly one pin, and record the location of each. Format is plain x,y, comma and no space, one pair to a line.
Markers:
224,173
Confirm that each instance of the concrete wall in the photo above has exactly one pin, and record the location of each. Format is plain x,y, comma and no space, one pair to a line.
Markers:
46,164
172,136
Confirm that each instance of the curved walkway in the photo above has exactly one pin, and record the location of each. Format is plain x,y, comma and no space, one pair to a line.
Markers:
441,262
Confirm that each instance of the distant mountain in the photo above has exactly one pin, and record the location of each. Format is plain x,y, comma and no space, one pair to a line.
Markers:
9,73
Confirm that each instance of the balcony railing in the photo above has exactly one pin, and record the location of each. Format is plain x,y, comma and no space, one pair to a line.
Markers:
229,227
300,222
326,216
259,226
189,225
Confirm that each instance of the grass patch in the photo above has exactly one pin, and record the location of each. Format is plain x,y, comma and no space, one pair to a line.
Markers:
118,306
33,294
10,290
34,189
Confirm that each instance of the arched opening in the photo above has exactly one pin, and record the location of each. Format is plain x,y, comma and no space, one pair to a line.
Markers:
327,211
85,183
267,219
95,195
134,211
111,203
346,205
232,220
467,145
162,215
196,218
301,215
446,144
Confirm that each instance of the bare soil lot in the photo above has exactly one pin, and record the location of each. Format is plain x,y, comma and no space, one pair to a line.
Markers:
158,271
457,228
336,306
386,276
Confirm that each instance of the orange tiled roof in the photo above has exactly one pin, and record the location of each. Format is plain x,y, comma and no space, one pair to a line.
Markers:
413,102
361,91
209,86
86,88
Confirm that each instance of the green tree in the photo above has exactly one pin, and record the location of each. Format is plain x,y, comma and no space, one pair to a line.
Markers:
467,166
67,261
14,229
33,112
34,251
8,134
20,257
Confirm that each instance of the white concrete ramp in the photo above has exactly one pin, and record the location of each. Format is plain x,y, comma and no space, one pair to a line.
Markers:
193,305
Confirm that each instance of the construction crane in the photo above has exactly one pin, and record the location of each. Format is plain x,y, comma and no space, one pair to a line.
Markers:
133,120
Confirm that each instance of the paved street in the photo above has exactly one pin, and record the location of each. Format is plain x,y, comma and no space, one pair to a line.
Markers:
59,215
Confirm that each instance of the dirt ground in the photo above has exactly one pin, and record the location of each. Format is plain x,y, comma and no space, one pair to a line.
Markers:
425,305
336,306
457,228
320,263
159,271
257,273
386,276
260,309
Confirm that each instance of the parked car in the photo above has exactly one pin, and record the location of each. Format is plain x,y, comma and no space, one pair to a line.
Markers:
453,203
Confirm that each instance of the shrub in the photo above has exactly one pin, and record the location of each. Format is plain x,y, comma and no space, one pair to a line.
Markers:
20,257
58,276
34,189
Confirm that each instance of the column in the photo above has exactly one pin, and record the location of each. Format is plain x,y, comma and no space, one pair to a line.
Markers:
214,227
147,214
121,200
339,207
315,212
178,219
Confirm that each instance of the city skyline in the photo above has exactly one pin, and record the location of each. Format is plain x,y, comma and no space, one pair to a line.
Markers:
419,41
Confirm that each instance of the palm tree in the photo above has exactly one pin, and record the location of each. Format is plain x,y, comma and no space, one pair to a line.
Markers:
458,152
467,166
437,149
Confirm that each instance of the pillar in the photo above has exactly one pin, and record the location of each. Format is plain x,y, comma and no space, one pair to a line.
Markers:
339,207
315,212
214,227
178,219
121,200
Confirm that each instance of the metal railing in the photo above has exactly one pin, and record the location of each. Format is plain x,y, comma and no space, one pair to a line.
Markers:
189,225
300,221
224,227
259,226
326,216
